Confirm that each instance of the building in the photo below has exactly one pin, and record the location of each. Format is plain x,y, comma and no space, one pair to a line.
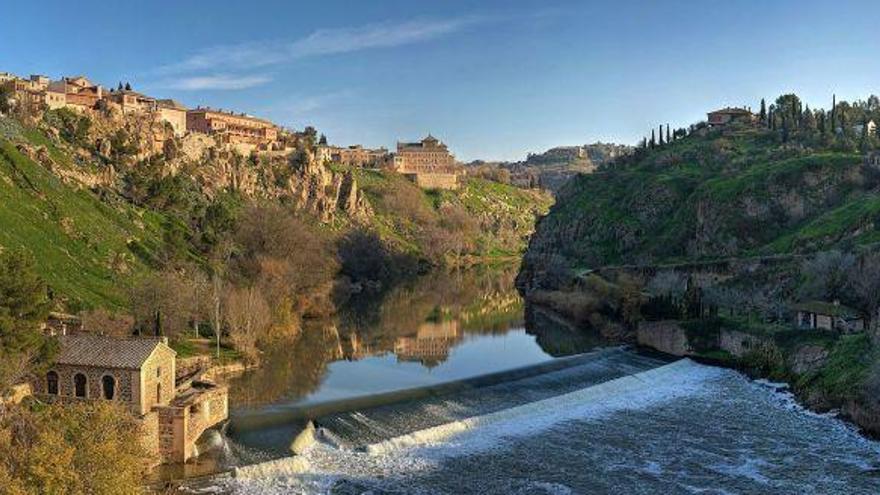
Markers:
828,316
428,163
860,128
62,324
79,92
172,112
139,373
232,128
132,101
727,115
354,156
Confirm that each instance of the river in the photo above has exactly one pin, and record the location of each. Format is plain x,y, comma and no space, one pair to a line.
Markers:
575,416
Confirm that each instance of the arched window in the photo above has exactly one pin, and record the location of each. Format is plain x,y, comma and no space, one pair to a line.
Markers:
79,385
108,385
52,383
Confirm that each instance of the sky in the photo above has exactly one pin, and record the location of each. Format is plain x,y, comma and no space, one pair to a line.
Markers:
493,79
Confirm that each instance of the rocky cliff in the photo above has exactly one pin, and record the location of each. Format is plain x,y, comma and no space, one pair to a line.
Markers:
715,194
553,168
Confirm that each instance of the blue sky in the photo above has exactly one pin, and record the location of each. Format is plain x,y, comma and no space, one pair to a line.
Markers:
494,79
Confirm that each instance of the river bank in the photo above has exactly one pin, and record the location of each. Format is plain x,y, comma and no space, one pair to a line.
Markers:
826,371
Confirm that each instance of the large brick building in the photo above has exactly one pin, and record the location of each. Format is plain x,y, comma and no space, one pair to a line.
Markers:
139,373
428,163
232,128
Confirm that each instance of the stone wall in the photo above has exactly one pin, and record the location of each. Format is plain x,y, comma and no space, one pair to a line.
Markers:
430,180
664,336
124,382
740,343
150,437
158,379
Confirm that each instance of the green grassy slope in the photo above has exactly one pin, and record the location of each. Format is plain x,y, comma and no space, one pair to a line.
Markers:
716,195
83,246
503,215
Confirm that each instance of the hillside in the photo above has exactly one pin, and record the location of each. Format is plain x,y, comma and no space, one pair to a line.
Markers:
553,168
89,249
102,204
483,220
711,246
715,194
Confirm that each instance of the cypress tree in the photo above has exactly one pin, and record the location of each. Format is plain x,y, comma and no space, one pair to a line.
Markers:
833,113
661,135
653,139
668,136
763,111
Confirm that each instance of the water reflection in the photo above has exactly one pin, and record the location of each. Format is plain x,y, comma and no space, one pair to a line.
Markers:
438,328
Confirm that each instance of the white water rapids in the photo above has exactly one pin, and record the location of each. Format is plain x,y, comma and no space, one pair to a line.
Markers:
677,428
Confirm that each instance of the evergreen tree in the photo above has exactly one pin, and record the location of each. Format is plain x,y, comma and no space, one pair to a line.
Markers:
833,114
119,87
809,120
127,87
661,135
24,306
653,139
668,136
323,140
763,113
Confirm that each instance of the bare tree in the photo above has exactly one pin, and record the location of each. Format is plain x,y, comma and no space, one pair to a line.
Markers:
248,318
105,322
827,275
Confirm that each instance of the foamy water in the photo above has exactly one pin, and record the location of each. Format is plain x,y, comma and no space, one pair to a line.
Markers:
679,428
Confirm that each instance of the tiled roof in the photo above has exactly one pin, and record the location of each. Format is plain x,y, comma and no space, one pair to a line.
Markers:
167,103
736,111
106,352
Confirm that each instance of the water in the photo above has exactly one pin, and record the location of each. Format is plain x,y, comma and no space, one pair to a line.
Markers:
677,428
602,420
437,329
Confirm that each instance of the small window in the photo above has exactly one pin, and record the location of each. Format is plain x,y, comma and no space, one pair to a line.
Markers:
108,385
158,371
52,383
79,385
158,393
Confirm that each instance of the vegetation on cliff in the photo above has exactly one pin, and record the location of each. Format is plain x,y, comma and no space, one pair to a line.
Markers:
722,229
136,228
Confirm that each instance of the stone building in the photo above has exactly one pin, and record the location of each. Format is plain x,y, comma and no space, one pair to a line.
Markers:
79,92
232,128
131,101
139,373
828,316
428,163
354,156
174,113
727,115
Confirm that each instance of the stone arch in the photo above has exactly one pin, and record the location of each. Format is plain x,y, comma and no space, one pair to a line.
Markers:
80,385
108,386
52,382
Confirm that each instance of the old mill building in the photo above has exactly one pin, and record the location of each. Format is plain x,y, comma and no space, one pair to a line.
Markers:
139,373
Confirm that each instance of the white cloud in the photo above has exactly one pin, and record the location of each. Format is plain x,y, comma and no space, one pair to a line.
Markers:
217,81
321,42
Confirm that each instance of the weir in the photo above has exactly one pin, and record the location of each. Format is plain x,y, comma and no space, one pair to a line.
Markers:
420,409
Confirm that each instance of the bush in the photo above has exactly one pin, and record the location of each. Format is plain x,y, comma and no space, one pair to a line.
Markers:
88,447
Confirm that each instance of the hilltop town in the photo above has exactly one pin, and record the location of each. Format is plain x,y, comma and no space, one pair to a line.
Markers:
427,163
